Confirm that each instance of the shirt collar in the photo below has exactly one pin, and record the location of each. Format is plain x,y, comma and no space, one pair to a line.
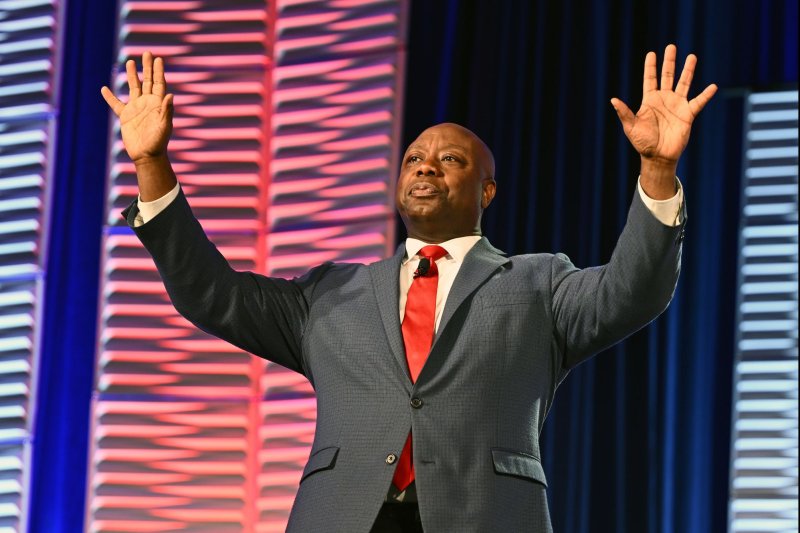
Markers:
456,248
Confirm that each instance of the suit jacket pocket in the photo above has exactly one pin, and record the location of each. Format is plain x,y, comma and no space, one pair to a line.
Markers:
323,459
501,299
511,463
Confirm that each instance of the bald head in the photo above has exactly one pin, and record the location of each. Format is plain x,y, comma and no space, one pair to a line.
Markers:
483,154
445,183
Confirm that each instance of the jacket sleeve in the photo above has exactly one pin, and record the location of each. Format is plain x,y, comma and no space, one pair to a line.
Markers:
594,308
264,316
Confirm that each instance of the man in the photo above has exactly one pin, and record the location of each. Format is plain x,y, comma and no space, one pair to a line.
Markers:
434,369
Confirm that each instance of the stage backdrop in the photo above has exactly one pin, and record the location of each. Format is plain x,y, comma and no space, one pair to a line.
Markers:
638,439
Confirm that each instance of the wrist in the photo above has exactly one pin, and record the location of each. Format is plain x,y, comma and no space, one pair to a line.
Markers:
657,178
150,160
155,177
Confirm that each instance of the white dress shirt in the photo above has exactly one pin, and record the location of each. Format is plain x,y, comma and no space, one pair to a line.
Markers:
668,212
448,268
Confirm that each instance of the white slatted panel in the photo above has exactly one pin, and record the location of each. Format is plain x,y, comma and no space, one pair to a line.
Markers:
764,480
28,41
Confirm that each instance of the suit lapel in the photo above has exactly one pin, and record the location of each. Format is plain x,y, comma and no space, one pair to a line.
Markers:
386,282
480,263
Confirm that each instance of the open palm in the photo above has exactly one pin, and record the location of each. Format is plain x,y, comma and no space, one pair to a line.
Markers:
146,120
660,129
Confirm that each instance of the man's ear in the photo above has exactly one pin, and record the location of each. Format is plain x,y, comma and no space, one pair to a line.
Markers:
489,190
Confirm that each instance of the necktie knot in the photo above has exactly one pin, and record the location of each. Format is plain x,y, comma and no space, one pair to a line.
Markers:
433,252
427,264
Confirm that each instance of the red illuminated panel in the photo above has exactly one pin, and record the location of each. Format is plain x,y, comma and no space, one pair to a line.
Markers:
175,419
170,465
217,58
147,349
335,121
217,149
284,142
285,438
333,162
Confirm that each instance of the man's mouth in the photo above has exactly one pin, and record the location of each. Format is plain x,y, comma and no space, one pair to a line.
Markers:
423,189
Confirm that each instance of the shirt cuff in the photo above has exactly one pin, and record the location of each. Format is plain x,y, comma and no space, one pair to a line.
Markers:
149,210
668,212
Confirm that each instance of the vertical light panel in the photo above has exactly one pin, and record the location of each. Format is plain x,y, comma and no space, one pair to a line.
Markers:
336,106
174,417
764,478
28,41
286,129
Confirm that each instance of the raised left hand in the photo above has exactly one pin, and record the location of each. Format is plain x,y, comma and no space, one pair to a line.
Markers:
659,131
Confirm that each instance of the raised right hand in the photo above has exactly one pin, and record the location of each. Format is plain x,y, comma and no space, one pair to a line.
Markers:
146,120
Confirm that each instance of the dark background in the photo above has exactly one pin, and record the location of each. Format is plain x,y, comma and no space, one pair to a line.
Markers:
639,437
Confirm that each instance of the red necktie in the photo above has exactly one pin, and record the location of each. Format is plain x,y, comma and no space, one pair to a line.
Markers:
418,325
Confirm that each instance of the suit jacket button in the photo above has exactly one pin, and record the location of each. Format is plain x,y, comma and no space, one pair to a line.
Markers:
416,403
390,459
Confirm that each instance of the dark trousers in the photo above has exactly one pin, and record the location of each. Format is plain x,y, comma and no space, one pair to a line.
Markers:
398,518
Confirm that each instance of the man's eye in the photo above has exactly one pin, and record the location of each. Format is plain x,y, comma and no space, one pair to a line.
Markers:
448,158
413,159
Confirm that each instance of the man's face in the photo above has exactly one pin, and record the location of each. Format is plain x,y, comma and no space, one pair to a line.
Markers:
446,180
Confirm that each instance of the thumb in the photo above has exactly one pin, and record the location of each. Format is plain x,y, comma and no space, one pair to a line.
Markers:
113,102
624,113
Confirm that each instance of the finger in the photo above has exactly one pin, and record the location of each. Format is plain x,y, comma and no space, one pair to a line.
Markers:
112,101
686,76
133,79
147,73
668,68
650,83
699,102
159,81
626,116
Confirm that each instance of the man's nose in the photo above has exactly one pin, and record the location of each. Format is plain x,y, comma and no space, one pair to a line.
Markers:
426,168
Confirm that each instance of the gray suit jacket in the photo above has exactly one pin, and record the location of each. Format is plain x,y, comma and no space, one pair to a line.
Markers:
511,330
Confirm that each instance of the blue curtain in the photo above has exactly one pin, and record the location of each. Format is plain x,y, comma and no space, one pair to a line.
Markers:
638,439
69,328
